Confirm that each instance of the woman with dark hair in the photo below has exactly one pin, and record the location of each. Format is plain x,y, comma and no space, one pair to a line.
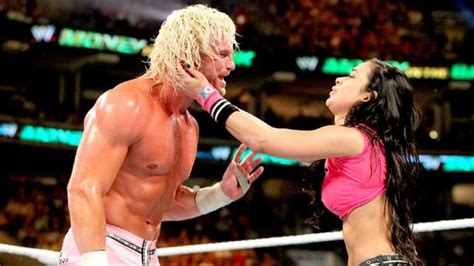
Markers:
370,152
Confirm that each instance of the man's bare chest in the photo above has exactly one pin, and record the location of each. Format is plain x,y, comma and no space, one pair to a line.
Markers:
166,148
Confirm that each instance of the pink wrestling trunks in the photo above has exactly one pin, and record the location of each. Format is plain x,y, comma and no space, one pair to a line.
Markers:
122,247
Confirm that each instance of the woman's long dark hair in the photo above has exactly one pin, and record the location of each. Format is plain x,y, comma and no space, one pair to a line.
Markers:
394,115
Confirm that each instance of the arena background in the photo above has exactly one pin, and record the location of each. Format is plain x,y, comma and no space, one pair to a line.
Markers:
58,56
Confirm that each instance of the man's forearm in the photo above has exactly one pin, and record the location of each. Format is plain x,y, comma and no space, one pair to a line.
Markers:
189,204
183,206
87,221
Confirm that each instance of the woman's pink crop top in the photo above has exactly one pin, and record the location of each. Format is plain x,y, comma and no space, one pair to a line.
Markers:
353,181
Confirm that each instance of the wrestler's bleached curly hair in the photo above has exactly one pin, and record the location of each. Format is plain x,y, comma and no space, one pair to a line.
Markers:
185,37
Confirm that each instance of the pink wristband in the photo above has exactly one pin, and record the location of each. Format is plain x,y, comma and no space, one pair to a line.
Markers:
207,97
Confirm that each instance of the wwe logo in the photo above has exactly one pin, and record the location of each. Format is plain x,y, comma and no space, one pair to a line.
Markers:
43,32
307,62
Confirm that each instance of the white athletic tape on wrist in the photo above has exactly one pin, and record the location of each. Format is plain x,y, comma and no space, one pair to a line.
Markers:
95,258
242,179
211,198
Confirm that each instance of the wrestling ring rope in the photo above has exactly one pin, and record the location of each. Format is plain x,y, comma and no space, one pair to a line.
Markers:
49,257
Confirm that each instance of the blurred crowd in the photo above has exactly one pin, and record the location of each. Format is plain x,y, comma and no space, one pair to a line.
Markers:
33,213
396,30
393,30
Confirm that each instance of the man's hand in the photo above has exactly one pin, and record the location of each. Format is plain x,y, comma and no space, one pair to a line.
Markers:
230,183
211,198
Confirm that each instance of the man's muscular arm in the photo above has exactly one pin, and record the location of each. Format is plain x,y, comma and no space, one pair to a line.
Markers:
111,126
189,203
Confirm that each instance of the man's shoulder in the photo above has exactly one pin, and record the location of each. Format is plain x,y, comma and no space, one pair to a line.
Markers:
132,88
125,104
136,84
129,96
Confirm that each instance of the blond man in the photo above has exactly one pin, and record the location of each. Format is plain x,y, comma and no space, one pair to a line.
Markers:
139,146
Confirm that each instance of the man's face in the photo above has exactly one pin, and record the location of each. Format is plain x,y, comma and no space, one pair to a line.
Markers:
216,69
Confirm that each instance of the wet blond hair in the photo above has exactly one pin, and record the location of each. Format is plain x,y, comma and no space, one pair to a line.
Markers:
185,37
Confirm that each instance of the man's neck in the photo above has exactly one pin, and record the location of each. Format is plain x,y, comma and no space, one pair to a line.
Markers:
175,101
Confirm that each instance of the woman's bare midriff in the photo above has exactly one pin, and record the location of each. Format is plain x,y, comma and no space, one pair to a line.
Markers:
365,232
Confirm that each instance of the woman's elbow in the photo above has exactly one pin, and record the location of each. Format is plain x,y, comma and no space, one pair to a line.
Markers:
257,139
257,145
